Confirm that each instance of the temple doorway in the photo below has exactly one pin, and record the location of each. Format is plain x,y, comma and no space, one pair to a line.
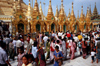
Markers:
38,28
53,27
20,28
64,27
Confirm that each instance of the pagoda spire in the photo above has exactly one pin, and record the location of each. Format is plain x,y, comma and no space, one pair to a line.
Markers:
19,5
50,7
36,6
56,15
14,7
40,9
90,11
95,12
32,3
72,12
82,12
87,15
29,10
35,1
29,15
29,3
62,9
78,15
69,14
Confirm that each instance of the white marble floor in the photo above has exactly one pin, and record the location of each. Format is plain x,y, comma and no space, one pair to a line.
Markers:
79,61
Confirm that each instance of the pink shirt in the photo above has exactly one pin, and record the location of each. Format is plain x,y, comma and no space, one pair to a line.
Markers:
73,45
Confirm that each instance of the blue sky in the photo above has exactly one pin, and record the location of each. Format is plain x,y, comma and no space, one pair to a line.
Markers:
68,4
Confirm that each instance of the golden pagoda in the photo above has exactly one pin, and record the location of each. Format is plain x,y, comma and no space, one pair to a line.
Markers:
88,21
28,19
37,22
62,18
51,24
19,23
72,20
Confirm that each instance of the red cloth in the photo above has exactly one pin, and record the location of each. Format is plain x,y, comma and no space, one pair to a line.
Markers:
68,35
66,45
52,49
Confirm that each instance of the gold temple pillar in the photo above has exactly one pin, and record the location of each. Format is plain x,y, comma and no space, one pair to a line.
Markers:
16,29
34,28
25,30
28,29
62,28
48,27
41,28
13,29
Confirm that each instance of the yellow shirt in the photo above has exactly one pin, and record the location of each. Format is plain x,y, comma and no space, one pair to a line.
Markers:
80,37
27,65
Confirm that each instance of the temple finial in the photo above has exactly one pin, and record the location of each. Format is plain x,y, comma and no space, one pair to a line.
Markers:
95,12
36,6
69,14
62,8
82,12
72,12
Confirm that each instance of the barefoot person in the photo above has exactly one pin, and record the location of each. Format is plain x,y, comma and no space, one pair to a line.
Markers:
57,56
98,50
92,55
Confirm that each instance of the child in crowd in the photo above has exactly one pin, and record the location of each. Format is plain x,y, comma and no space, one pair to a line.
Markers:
32,60
25,60
57,56
20,55
92,55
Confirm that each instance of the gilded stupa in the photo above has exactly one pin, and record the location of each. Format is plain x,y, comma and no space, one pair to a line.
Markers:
28,19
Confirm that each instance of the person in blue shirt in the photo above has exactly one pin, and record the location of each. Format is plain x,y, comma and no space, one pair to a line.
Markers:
57,56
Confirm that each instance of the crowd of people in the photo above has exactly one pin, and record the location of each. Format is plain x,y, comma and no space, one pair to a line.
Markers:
55,47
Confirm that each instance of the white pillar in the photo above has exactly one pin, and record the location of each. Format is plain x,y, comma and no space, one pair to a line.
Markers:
10,28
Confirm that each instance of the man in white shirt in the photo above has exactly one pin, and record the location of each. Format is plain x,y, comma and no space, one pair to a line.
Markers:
60,34
18,44
31,41
34,50
3,55
45,38
53,34
76,39
14,43
63,35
